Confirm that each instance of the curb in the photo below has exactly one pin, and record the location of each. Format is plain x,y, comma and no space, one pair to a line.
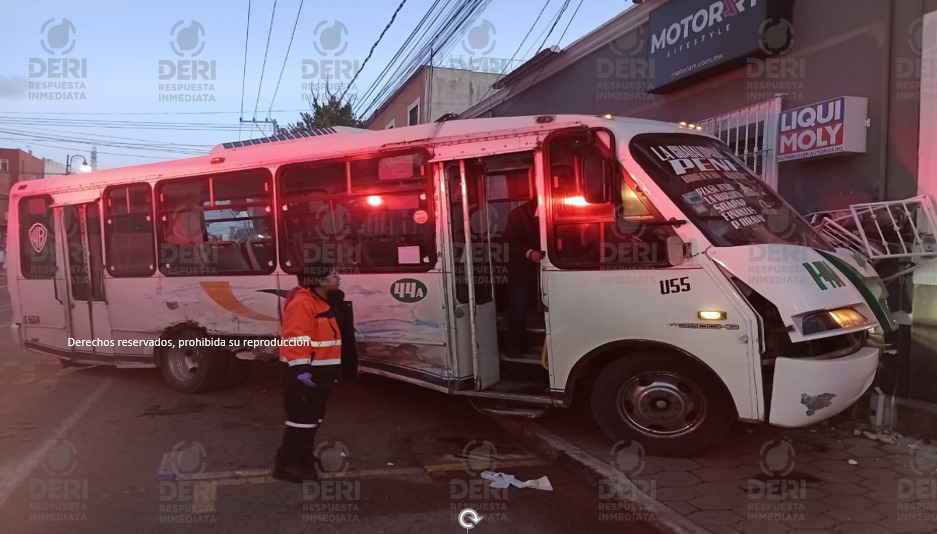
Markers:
544,442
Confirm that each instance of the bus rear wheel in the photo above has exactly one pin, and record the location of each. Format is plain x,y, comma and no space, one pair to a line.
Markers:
668,404
192,369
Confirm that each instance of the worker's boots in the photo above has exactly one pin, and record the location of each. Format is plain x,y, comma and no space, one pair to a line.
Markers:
294,461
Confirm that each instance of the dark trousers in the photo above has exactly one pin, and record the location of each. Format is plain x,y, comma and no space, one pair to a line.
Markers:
305,410
522,285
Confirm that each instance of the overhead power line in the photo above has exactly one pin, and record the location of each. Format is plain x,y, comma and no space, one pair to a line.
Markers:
264,66
371,52
247,35
286,58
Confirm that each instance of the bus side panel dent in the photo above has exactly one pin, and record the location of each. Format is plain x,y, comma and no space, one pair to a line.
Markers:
807,391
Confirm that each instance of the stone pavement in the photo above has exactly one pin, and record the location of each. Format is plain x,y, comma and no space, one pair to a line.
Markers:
831,477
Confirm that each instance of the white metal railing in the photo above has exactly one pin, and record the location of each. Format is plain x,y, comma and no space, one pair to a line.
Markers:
895,229
752,134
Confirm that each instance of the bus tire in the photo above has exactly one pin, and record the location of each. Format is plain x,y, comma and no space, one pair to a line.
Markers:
668,404
192,369
237,371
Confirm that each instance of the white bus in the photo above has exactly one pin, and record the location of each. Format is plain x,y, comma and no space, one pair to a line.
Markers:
677,292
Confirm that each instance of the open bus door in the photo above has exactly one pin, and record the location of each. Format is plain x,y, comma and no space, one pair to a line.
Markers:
472,284
40,283
79,228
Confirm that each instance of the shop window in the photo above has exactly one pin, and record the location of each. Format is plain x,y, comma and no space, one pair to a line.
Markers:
381,221
599,219
128,230
218,225
37,237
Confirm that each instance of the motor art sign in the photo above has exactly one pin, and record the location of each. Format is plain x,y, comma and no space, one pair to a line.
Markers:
833,127
686,39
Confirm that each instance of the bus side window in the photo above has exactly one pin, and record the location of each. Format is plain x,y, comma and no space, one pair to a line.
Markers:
217,225
383,223
128,230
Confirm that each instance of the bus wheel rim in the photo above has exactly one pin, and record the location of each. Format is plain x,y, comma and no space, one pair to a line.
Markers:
184,363
662,404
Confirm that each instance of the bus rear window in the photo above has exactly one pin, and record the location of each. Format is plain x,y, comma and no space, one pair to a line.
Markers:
37,237
719,194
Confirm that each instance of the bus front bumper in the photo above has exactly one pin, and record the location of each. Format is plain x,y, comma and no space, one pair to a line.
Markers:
807,390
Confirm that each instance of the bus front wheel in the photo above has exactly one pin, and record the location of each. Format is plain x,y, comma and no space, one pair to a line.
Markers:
668,404
192,369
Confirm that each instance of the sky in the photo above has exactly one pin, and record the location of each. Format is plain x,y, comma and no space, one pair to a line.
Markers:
153,81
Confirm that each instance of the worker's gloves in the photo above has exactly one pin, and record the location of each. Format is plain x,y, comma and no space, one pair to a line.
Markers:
306,379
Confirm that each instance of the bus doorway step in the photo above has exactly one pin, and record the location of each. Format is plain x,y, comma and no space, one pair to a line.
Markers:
508,409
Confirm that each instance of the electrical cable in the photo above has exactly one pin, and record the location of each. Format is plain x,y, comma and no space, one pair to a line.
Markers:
558,41
371,52
264,66
285,59
247,35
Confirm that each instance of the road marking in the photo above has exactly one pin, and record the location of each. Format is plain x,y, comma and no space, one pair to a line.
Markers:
13,481
263,476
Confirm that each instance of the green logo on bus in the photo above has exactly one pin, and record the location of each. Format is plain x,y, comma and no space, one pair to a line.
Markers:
822,272
408,290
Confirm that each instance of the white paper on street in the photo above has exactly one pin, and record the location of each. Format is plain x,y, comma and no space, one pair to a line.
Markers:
503,480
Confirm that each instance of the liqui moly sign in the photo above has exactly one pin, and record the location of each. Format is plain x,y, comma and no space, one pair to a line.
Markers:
827,128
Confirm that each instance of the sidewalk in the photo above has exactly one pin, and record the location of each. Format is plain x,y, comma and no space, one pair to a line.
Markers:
828,478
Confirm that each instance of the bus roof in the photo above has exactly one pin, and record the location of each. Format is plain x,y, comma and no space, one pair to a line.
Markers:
335,142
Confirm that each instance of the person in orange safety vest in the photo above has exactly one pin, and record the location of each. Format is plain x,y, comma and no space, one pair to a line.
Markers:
311,352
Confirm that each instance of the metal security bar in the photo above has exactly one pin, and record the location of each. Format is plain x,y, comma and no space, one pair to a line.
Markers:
751,133
897,229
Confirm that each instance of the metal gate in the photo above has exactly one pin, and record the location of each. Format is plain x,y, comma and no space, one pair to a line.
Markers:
752,133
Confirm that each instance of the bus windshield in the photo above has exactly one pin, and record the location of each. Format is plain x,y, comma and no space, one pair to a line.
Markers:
719,194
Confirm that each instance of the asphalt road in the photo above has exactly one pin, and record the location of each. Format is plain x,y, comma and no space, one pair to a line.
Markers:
82,450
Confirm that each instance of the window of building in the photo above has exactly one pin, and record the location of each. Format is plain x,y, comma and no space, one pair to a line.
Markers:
751,133
4,165
37,237
128,230
391,125
413,113
370,215
217,225
598,217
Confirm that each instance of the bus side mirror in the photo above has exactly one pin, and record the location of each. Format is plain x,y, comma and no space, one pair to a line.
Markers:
595,174
675,251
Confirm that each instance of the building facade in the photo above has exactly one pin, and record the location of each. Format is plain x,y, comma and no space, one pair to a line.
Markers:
430,93
15,166
823,99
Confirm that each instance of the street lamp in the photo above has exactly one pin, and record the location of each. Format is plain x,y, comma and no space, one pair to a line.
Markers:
84,167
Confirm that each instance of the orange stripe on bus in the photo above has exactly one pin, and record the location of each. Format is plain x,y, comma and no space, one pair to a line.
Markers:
221,293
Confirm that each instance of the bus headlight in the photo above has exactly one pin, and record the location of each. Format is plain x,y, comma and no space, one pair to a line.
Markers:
825,321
